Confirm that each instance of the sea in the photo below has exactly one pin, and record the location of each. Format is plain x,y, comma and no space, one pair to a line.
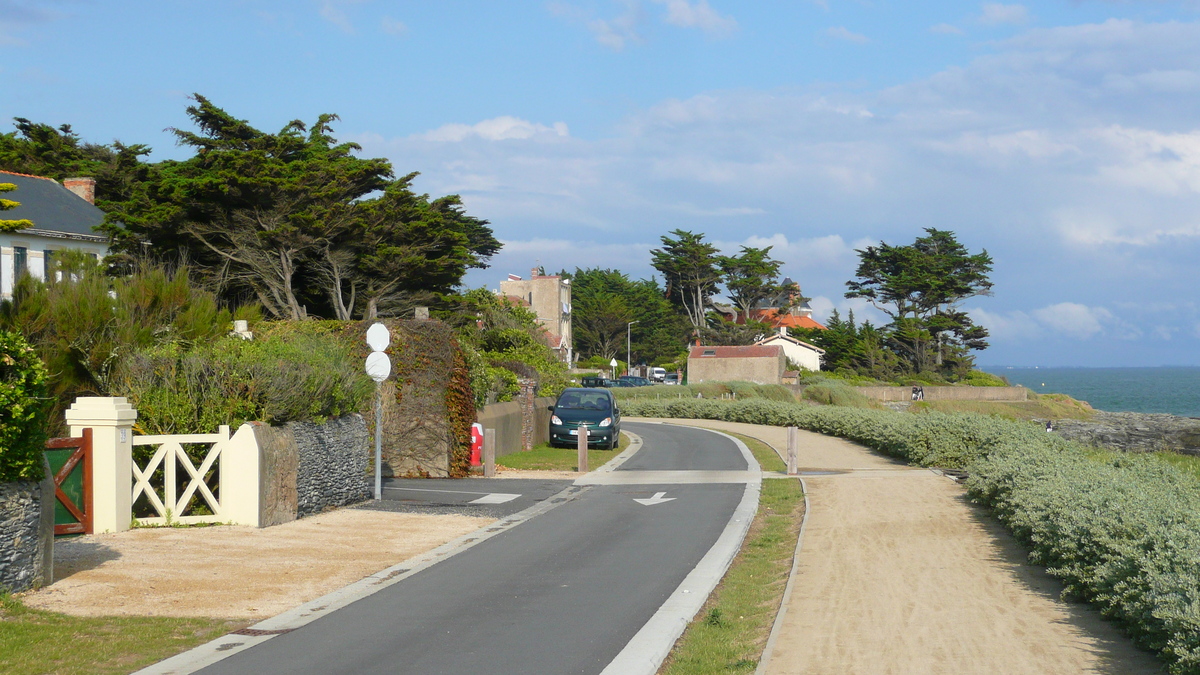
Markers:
1167,389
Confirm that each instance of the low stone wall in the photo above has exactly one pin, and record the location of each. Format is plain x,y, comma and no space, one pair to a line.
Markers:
26,535
509,420
332,470
1007,394
307,468
1135,432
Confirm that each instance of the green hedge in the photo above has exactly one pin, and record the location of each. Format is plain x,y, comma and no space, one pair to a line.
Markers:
289,372
1121,531
24,407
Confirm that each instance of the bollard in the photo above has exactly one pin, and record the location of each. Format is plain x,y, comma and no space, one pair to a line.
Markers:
489,453
793,450
582,463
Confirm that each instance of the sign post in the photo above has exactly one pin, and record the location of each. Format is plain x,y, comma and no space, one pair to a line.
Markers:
613,364
379,366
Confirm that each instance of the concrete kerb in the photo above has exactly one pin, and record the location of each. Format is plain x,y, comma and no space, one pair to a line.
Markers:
644,654
228,645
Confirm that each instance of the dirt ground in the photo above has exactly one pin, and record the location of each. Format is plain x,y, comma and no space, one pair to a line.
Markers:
899,573
235,572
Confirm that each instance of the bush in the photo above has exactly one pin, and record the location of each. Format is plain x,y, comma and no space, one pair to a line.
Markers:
978,378
1122,533
24,406
711,390
298,373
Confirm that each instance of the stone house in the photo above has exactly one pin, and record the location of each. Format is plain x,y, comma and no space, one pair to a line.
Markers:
760,364
549,296
64,217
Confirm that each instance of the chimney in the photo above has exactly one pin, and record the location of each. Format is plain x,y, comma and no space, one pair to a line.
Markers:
84,188
533,273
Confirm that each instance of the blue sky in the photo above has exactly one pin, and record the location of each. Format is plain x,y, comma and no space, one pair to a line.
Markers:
1061,135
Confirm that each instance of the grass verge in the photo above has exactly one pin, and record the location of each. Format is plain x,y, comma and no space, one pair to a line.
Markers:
35,642
545,458
729,633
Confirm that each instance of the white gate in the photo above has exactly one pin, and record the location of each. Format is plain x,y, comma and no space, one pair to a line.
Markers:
163,491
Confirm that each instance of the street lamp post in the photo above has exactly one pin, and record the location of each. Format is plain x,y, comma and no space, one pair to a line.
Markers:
628,353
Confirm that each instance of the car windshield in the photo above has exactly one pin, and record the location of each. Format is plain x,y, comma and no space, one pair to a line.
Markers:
583,400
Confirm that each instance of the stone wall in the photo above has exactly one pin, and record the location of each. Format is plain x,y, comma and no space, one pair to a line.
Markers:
26,535
516,423
307,468
1008,394
332,467
1135,432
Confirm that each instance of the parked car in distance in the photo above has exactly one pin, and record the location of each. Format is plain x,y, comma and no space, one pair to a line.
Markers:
636,381
671,378
595,407
596,381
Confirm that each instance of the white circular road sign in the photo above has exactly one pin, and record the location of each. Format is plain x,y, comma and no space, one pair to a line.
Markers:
379,366
378,337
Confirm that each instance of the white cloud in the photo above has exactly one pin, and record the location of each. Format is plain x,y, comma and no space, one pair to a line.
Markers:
496,129
1075,320
945,29
995,14
843,33
1152,160
393,26
1012,326
698,15
331,11
615,33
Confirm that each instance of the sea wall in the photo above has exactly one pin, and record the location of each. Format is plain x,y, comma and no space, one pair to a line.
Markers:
932,393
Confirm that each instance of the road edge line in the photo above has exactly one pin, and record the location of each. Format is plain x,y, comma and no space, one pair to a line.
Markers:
229,644
649,647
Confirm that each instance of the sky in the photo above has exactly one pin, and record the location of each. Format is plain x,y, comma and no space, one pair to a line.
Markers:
1060,136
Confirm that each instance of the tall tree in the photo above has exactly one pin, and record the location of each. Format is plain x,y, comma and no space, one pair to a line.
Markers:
8,205
402,250
920,286
689,268
751,277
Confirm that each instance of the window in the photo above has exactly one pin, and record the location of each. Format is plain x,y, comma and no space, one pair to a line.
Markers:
709,352
48,264
20,261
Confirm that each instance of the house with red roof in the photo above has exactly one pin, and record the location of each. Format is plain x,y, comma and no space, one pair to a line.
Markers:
779,312
64,217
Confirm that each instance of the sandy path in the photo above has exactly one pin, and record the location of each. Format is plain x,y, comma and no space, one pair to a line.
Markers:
236,572
900,573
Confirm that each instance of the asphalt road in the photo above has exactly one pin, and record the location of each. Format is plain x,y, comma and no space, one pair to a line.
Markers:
562,593
492,498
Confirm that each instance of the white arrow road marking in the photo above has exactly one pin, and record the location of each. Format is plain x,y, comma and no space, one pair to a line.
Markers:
495,498
658,498
487,498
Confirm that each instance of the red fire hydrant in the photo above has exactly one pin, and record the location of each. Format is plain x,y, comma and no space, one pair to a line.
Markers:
476,444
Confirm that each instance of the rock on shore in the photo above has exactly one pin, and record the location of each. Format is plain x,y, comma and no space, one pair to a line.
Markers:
1135,432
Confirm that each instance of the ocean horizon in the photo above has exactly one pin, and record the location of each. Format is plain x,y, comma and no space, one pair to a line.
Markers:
1162,389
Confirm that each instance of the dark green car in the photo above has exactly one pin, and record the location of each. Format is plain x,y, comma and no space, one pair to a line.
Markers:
594,407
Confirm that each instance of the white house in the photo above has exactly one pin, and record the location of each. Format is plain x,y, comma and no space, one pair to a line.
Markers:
798,352
64,217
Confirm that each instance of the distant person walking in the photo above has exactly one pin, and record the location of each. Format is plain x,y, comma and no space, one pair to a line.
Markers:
1049,426
914,392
